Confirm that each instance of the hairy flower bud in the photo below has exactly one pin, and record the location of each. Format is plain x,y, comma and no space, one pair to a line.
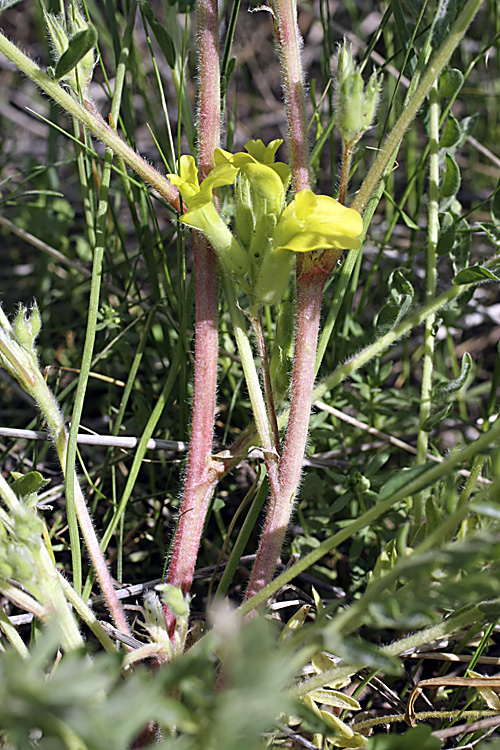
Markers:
74,39
355,104
27,327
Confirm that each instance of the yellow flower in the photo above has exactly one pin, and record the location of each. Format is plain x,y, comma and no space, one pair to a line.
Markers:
267,178
317,222
202,213
193,194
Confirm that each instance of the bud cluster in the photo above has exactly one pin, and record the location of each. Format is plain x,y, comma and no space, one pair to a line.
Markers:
20,543
27,565
154,618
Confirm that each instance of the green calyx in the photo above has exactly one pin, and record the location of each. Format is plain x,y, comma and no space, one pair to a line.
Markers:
73,42
268,234
355,104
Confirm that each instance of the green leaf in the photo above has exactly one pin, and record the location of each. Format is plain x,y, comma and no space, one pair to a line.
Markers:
79,45
467,126
330,697
450,83
161,34
29,483
432,515
445,15
451,179
495,207
475,274
419,738
451,133
384,563
491,609
397,305
401,479
486,509
447,232
436,418
443,390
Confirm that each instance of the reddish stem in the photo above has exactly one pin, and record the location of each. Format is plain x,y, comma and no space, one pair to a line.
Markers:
202,472
209,114
287,36
309,295
313,269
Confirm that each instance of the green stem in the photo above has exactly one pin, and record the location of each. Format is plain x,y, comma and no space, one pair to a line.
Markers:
266,378
347,152
55,603
87,616
387,340
430,292
93,310
450,625
362,726
48,406
13,636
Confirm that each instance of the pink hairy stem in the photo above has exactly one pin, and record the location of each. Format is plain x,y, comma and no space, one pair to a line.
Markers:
312,272
202,471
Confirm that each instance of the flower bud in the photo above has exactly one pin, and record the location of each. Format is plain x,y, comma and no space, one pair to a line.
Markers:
153,611
6,569
274,273
245,223
61,34
173,597
58,36
26,328
355,106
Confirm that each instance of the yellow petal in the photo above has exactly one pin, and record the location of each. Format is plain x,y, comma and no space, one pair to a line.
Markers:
318,222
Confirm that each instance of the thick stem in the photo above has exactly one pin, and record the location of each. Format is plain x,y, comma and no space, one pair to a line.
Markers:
309,294
209,114
311,278
202,471
288,42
